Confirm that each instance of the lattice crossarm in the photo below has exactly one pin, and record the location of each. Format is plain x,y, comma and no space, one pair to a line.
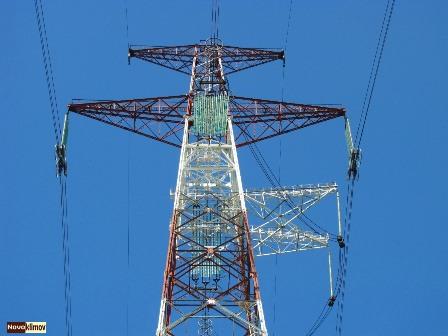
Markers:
268,242
272,204
279,210
177,58
159,118
180,58
235,59
259,119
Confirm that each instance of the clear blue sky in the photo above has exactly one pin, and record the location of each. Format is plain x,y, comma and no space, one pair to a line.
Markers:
397,273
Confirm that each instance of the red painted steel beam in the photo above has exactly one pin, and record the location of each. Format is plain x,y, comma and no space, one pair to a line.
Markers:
180,58
260,119
161,118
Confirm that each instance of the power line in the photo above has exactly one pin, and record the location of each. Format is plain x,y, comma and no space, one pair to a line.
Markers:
66,254
275,295
49,76
374,71
128,232
341,282
283,85
215,18
126,21
63,201
285,47
326,310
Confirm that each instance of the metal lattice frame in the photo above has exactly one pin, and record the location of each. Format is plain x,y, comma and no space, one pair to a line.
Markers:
260,119
280,212
181,58
210,275
210,271
161,118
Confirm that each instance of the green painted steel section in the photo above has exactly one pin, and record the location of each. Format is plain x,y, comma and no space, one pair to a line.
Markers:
210,114
348,136
65,131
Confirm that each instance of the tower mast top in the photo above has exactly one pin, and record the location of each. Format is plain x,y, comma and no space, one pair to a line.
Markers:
206,62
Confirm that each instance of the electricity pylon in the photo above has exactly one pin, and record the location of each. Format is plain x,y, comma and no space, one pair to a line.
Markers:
210,284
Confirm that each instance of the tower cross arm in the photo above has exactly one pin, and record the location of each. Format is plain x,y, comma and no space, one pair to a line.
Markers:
235,59
180,58
279,215
257,119
158,118
177,58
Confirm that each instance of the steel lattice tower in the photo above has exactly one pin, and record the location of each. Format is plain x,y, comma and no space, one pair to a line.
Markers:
210,282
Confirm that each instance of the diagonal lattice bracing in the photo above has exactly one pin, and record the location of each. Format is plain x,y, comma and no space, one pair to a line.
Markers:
161,118
276,226
210,284
259,119
181,58
210,274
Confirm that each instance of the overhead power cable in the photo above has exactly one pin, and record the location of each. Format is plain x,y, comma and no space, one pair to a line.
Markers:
66,255
215,18
48,67
326,310
285,47
128,233
341,281
126,21
374,71
63,202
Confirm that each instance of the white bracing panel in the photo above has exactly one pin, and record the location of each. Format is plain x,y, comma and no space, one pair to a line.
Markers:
280,211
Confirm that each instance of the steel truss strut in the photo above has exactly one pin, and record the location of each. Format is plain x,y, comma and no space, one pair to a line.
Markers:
161,118
181,58
279,230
